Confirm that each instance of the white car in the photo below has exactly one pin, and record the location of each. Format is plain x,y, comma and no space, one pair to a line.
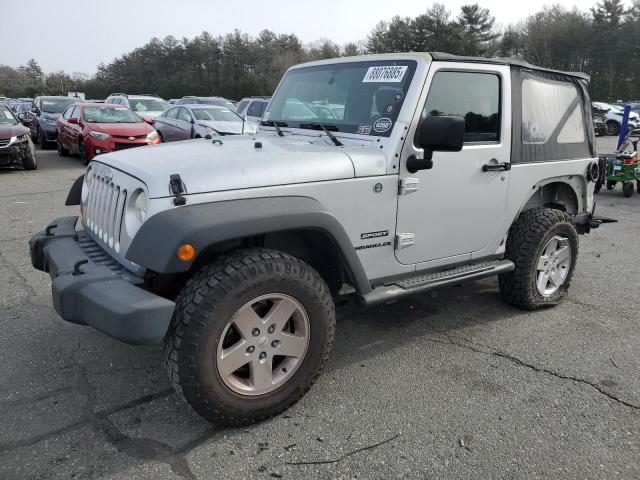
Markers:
613,117
146,106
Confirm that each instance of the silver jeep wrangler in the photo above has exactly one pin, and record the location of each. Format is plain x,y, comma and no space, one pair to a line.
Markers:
374,177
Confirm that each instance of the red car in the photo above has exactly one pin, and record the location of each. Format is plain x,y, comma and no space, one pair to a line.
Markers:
90,129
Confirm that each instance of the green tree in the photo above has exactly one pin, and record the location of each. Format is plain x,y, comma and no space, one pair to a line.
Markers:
475,29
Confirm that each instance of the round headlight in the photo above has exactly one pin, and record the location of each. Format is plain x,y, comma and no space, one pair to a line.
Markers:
136,212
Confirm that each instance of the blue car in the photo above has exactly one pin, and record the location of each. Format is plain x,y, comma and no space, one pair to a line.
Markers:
44,113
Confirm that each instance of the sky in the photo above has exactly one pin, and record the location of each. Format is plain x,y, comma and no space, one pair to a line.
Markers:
76,35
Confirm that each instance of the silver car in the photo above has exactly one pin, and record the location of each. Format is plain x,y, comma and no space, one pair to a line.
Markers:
197,121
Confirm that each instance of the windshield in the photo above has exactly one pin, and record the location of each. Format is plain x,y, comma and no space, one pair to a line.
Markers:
110,115
359,97
142,105
216,114
56,105
6,117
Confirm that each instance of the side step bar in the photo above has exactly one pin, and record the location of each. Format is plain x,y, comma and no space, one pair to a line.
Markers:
422,283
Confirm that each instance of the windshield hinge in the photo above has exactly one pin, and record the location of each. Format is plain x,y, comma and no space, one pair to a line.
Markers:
408,185
177,189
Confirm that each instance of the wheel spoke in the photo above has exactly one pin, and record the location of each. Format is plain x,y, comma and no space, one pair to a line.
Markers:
280,313
552,246
292,345
262,374
563,254
233,358
543,281
245,321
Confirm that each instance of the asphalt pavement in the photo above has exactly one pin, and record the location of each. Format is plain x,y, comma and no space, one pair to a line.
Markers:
451,384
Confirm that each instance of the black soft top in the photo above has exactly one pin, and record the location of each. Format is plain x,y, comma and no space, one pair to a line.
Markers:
511,61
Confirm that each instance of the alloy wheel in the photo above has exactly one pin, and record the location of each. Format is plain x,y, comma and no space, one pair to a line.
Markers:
263,344
553,265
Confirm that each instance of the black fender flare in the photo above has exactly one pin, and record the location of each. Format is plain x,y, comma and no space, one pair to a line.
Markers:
202,225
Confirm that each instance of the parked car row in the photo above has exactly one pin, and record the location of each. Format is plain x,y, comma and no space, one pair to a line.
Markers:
93,127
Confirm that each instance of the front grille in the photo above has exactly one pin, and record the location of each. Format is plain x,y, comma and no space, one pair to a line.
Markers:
105,209
124,146
127,137
4,143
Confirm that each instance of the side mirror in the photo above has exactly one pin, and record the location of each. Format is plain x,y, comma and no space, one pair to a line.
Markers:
437,134
73,120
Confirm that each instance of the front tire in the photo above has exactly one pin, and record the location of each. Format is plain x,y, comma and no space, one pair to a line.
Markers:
83,154
30,161
543,245
613,128
249,336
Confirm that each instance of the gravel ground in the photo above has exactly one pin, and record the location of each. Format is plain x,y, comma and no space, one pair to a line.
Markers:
451,384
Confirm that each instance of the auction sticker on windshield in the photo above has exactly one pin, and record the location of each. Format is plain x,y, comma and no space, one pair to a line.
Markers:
385,74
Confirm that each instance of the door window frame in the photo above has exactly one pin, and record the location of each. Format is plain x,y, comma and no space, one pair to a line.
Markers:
500,103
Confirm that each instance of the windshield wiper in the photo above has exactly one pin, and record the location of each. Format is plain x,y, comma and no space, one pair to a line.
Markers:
276,126
331,136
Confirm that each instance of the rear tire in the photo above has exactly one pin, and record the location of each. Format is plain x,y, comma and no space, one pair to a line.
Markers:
207,311
627,189
611,185
613,128
528,245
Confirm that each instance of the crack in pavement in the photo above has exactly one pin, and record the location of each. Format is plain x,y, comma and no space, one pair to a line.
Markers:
487,350
138,448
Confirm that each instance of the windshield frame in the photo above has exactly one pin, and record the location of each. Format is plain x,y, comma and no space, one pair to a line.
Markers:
387,118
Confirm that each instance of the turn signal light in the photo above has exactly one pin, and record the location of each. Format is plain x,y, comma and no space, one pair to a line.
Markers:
186,252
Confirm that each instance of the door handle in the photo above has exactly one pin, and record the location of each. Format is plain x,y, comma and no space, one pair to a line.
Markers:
496,167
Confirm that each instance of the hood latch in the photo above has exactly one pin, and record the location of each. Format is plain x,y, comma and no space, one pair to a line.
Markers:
177,189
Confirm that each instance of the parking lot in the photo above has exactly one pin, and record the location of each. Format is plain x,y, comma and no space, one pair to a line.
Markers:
450,384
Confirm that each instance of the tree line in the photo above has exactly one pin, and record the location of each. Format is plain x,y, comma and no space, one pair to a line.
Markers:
603,42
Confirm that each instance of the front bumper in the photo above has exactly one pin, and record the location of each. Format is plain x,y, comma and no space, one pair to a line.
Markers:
49,130
90,288
13,154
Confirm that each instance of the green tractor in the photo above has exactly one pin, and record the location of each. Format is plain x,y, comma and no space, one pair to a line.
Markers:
621,167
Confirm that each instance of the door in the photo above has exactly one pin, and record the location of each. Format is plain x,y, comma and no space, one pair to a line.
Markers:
74,131
183,125
255,111
63,135
166,124
454,209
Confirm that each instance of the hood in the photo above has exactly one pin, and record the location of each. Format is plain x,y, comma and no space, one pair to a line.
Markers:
8,131
224,127
122,129
207,166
